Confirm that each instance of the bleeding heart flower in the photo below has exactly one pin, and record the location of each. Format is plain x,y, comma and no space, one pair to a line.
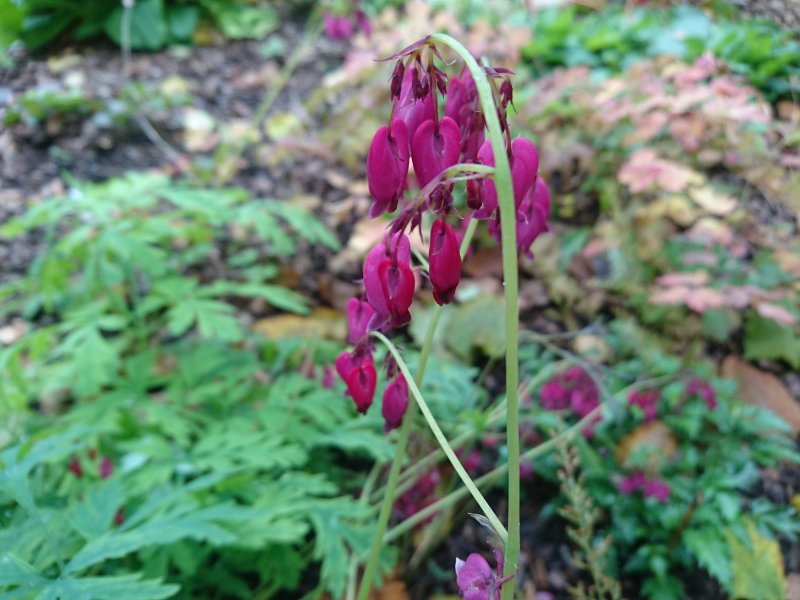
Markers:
445,262
337,27
395,403
524,163
532,217
433,149
387,166
361,382
397,285
400,250
414,112
475,578
359,314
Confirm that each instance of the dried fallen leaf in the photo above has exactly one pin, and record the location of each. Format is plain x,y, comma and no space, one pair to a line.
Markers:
656,435
763,389
321,323
713,201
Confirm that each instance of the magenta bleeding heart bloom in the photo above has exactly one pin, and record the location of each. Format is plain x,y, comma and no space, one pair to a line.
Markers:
387,166
524,163
359,314
475,578
337,27
399,252
397,285
395,403
445,262
651,488
106,468
358,373
554,396
435,147
697,387
647,400
412,110
532,216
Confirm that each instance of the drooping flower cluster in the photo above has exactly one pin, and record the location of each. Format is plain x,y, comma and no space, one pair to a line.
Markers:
440,150
703,389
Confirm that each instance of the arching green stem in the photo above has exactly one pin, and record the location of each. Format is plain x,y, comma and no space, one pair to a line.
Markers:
439,435
508,213
402,442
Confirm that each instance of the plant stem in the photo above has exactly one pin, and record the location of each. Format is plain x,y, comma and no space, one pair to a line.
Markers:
440,437
485,479
402,442
508,225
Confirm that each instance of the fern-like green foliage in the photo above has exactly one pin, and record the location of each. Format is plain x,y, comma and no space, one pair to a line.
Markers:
151,445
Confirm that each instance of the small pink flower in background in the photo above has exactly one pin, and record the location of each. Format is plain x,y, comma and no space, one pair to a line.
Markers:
422,494
647,400
632,483
106,468
697,387
651,488
526,471
553,395
75,467
395,403
328,377
337,27
657,489
472,464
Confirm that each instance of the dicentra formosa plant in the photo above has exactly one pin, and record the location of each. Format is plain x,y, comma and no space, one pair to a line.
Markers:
470,142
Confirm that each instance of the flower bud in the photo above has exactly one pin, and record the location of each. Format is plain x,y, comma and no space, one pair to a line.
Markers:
395,403
434,148
387,166
445,262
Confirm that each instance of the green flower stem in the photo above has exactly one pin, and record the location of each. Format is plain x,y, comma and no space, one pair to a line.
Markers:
491,477
410,476
440,437
508,217
402,442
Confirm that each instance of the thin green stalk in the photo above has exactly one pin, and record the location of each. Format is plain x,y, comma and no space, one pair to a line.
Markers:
440,437
486,479
409,476
508,217
402,442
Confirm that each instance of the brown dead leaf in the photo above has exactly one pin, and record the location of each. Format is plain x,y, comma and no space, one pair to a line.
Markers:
760,388
321,323
713,201
654,434
393,590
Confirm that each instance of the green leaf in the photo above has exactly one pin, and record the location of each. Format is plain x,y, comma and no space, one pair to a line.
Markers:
182,21
764,338
710,548
757,567
479,323
94,514
242,22
148,25
206,524
277,296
